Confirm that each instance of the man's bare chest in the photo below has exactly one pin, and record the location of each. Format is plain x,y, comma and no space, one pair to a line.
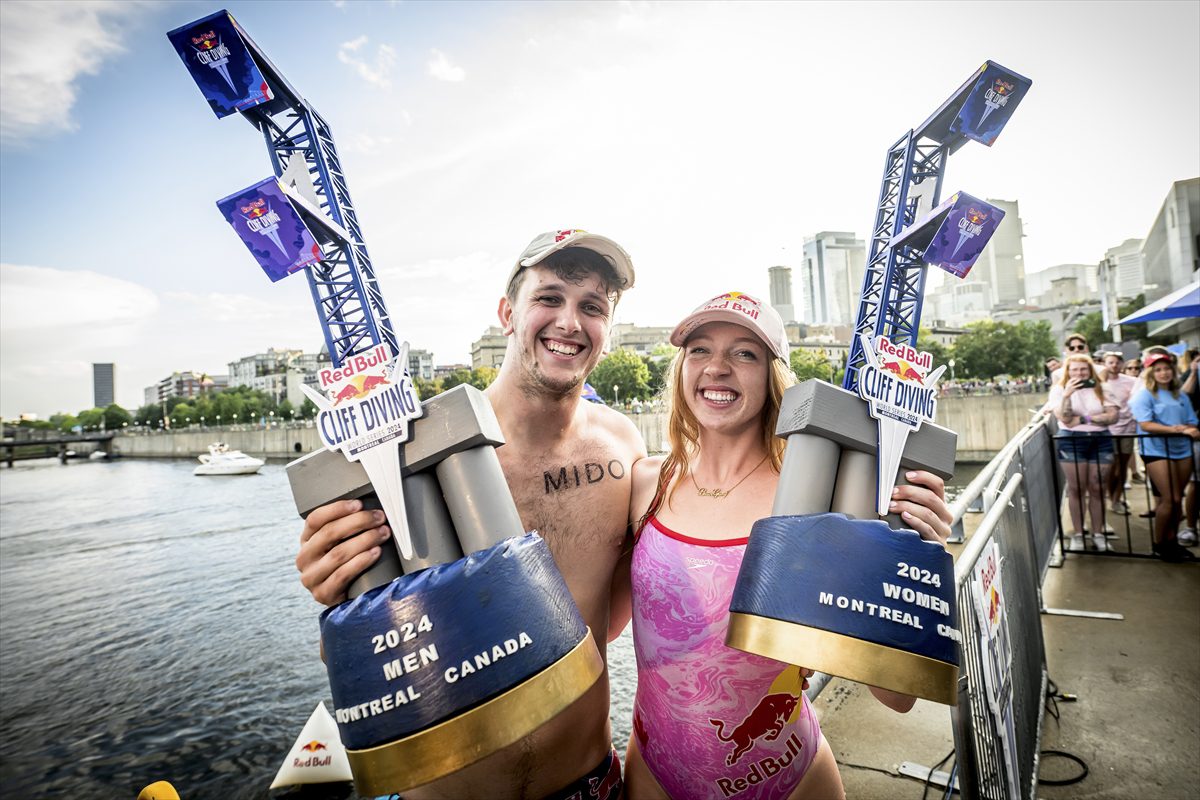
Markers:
580,494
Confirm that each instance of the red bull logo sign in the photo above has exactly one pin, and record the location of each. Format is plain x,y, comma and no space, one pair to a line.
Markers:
895,383
364,413
901,393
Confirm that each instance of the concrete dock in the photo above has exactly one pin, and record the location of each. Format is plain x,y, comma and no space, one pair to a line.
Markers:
1136,722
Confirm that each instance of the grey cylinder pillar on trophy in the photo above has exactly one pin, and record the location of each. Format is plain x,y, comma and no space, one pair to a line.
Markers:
834,469
470,496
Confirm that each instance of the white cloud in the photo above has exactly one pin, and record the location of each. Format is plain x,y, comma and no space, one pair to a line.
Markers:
45,48
441,68
37,298
377,73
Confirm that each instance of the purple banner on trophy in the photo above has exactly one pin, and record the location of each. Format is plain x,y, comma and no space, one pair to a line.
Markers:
968,225
995,96
221,64
272,229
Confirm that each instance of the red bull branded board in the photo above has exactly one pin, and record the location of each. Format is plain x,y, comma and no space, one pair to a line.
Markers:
272,229
218,60
996,94
966,228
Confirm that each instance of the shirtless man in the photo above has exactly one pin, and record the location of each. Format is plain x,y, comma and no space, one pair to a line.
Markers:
557,311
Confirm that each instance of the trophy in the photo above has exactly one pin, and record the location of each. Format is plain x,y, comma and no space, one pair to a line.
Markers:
463,638
826,582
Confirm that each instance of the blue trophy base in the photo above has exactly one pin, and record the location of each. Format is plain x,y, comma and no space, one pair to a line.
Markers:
443,667
851,598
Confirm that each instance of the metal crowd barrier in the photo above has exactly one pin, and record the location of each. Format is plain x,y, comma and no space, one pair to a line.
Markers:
997,723
997,746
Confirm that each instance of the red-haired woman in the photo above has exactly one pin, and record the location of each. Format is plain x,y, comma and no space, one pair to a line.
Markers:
1085,449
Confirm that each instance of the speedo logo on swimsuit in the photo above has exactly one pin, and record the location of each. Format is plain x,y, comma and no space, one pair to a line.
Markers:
697,563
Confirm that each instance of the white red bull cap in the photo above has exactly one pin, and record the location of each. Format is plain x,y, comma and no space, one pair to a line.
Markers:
742,309
552,241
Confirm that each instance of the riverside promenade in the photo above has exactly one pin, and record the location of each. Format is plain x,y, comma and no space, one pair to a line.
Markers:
984,424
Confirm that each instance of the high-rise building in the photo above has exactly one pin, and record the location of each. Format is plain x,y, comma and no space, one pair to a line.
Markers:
640,339
831,278
1123,265
420,364
1040,285
103,382
1171,255
781,292
268,372
488,350
1001,265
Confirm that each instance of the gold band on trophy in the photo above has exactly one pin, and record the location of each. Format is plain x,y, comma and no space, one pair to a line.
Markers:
838,654
462,740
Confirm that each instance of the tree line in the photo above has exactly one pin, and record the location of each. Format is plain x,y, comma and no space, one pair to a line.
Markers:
987,349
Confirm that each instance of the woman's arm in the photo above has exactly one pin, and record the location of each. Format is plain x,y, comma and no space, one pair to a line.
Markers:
1064,412
645,480
1108,417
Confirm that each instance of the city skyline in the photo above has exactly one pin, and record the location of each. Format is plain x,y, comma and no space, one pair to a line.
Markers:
683,131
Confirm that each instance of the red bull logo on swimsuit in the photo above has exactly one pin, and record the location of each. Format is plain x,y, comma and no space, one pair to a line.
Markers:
765,722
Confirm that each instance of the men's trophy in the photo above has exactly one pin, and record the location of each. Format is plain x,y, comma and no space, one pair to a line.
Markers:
463,638
826,583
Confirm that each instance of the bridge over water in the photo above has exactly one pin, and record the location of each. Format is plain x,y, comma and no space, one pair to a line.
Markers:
24,443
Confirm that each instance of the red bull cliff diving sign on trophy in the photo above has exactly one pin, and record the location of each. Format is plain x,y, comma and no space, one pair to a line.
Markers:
364,413
900,387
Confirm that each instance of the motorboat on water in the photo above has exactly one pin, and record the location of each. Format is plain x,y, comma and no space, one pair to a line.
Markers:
220,460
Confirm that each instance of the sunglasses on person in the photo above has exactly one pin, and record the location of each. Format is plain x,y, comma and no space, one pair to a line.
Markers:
1077,348
1133,367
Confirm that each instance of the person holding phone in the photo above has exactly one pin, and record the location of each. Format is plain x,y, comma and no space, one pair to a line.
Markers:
1085,449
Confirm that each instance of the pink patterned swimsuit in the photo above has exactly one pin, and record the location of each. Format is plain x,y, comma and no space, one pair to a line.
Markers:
710,721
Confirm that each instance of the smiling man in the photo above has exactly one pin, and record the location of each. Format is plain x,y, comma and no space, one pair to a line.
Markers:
567,463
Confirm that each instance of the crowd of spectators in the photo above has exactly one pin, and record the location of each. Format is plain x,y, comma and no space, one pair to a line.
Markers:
1104,405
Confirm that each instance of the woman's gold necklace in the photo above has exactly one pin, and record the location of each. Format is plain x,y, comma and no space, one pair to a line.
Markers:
718,494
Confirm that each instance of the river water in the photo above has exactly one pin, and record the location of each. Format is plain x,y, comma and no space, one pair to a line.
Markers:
153,627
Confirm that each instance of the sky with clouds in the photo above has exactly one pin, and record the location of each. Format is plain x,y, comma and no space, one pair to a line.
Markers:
708,138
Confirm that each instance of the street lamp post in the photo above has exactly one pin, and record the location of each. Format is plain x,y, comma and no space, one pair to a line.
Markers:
616,395
950,363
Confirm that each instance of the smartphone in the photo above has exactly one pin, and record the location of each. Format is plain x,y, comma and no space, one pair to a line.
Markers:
1088,384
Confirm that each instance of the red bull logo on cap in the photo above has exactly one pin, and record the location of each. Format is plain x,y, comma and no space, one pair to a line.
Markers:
735,301
558,237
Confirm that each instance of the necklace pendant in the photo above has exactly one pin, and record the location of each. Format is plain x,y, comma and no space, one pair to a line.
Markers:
714,493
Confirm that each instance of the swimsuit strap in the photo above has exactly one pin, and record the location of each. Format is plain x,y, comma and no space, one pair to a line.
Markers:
655,504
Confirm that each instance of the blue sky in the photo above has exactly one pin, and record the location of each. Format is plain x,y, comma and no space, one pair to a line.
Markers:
709,139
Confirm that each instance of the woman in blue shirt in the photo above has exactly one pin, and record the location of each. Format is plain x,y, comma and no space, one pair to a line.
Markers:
1163,410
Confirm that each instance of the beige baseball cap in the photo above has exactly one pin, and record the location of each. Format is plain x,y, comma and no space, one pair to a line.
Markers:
552,241
742,309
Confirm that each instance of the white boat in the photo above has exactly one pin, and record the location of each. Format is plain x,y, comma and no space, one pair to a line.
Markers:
220,460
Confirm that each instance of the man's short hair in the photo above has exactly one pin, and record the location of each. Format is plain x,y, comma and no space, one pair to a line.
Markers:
1075,336
574,264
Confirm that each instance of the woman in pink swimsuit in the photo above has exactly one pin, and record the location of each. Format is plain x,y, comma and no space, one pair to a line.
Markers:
711,721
